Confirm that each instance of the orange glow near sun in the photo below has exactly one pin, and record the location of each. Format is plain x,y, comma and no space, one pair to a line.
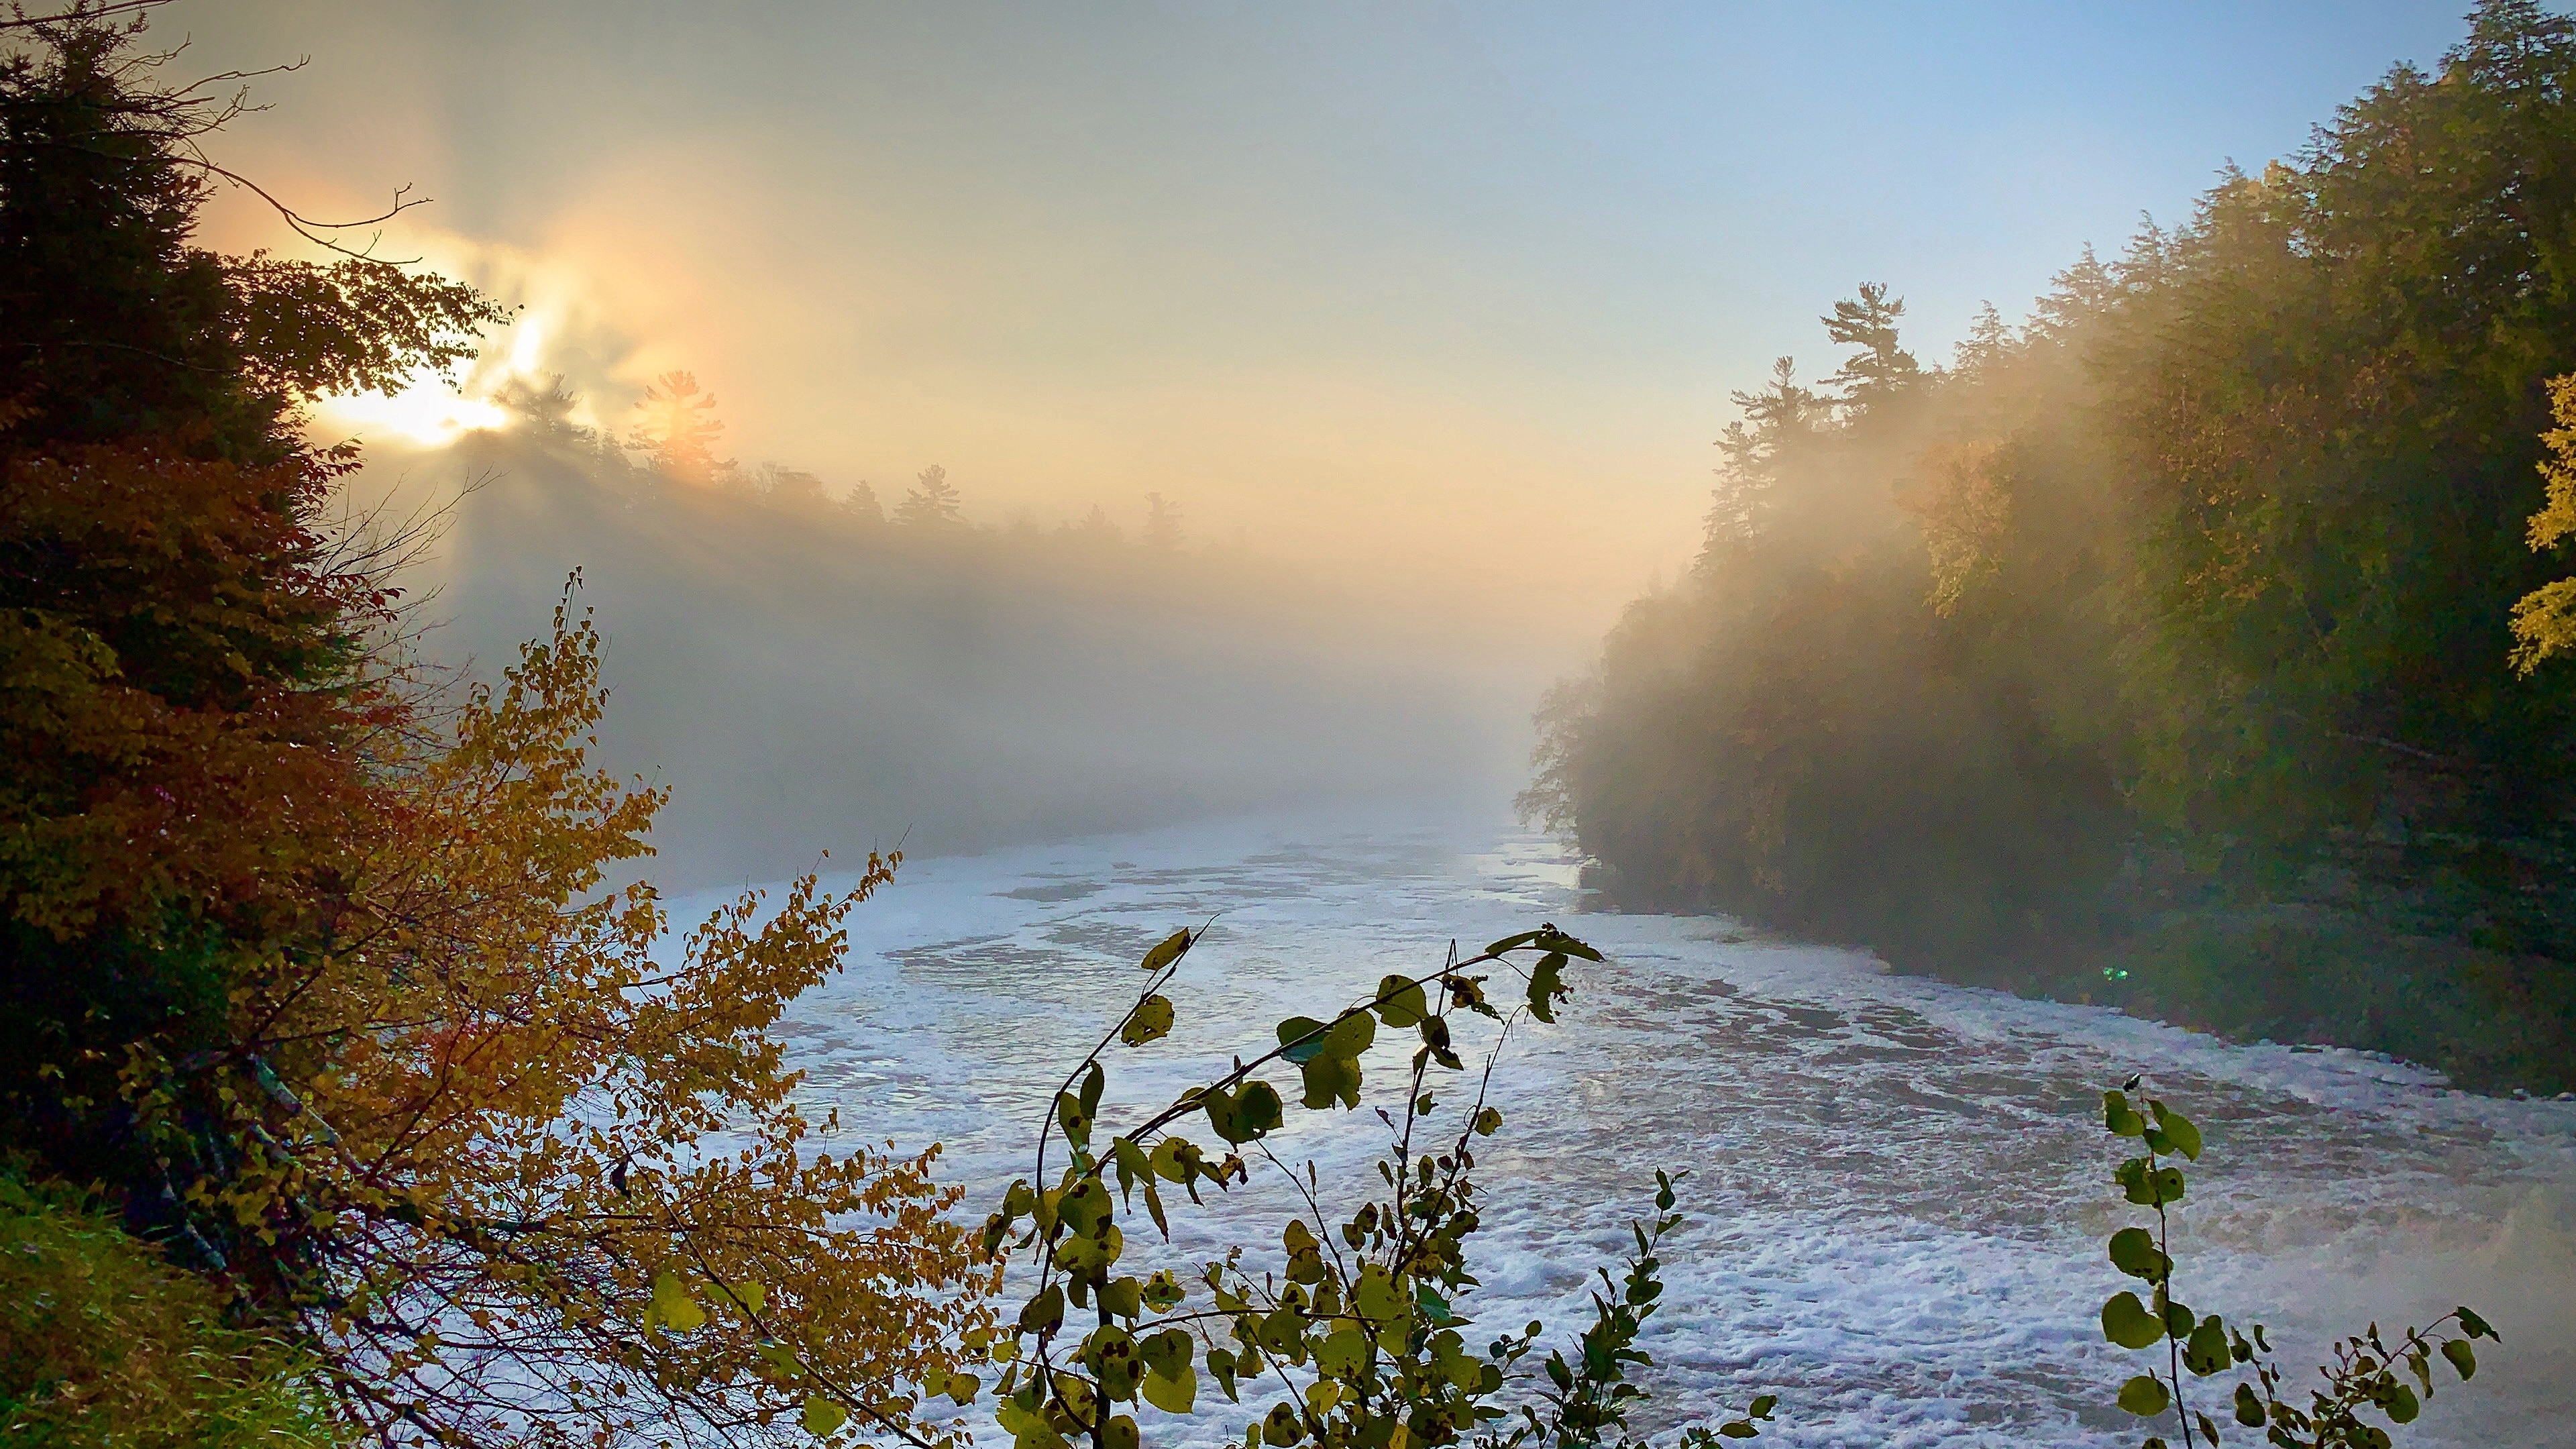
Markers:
436,409
428,414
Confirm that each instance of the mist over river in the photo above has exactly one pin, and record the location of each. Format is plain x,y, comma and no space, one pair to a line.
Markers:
1898,1188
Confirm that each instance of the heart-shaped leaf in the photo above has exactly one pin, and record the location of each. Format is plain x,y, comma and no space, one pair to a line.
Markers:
2145,1396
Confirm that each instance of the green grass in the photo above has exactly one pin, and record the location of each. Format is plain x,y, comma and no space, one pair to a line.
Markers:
105,1345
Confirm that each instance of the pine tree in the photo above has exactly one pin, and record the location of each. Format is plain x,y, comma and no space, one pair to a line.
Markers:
932,502
1162,523
1881,367
1748,456
680,429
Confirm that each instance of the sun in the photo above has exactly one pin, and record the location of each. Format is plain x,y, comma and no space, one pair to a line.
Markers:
430,413
435,409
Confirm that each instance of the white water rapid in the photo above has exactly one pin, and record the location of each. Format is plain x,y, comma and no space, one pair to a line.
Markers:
1898,1188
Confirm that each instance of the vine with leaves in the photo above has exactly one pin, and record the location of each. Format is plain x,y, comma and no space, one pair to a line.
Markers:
2367,1373
1358,1337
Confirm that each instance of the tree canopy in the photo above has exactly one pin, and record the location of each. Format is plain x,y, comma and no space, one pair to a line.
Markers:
2190,602
320,973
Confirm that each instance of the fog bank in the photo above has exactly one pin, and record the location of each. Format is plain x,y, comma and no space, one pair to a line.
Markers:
808,676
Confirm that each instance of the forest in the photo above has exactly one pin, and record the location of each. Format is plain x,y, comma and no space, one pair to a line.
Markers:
2193,646
365,1089
806,665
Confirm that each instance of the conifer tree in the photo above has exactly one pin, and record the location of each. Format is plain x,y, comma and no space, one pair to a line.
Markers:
932,502
679,430
1881,368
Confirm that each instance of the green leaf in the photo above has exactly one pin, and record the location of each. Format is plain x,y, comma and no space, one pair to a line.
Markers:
1738,1429
2149,1187
1281,1427
822,1416
2462,1357
1513,943
2249,1407
1257,1106
1084,1206
2145,1396
1132,1165
2179,1320
2134,1252
2205,1352
1150,1021
963,1387
1556,940
1166,1352
2400,1404
1489,1120
1344,1353
1546,985
1085,1253
1173,948
2474,1326
2119,1118
1244,1115
1762,1405
1220,1362
1122,1298
2178,1129
1378,1297
672,1307
2126,1322
1044,1311
1173,1393
1301,1039
1331,1078
1119,1433
1400,1002
1172,1158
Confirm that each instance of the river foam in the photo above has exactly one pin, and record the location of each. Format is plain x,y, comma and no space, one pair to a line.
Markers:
1898,1187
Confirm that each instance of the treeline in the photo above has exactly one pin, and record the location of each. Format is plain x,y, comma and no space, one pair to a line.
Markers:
678,434
808,668
2162,650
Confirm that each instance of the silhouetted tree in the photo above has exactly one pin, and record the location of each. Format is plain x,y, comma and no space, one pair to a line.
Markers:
679,429
788,487
932,502
1748,457
546,407
115,326
1162,522
1881,367
1099,527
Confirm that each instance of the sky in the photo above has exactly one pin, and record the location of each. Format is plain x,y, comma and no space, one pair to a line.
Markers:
1453,293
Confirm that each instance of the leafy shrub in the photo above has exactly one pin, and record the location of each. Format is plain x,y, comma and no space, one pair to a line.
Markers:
1355,1338
2367,1374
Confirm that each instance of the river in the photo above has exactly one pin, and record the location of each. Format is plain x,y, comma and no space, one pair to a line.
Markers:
1898,1188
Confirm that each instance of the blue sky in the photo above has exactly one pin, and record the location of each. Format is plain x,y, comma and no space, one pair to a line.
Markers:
1317,269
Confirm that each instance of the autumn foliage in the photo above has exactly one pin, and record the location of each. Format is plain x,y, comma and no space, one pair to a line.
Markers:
321,980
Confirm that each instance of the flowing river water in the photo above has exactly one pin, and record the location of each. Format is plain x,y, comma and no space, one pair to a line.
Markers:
1898,1189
